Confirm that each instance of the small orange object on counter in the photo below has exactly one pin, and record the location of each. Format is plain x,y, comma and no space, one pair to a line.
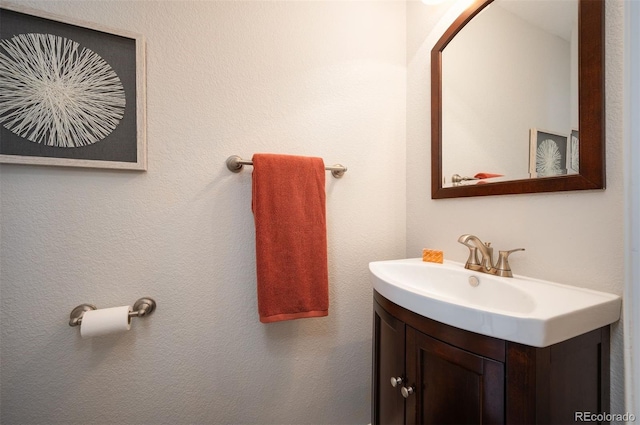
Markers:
432,256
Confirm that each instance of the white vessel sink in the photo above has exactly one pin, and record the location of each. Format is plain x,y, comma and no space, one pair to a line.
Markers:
519,309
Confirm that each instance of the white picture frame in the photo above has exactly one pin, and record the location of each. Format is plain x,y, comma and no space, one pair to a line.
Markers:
72,93
573,159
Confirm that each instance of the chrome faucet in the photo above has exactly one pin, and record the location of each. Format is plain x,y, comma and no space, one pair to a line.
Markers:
485,263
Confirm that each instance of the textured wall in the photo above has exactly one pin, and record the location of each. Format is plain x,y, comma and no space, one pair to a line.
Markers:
632,179
574,237
310,78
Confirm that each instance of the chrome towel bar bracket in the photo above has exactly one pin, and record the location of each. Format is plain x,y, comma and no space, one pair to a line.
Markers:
143,307
235,164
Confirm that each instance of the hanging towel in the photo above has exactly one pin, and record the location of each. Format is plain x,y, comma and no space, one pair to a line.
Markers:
291,238
486,175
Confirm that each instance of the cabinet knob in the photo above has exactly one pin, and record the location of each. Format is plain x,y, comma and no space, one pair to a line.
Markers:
406,392
396,381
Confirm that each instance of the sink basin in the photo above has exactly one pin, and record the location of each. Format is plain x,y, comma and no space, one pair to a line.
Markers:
519,309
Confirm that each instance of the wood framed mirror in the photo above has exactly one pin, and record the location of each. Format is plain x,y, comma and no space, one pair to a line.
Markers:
589,140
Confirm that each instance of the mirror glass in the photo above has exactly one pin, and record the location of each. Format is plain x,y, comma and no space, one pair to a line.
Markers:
524,61
507,108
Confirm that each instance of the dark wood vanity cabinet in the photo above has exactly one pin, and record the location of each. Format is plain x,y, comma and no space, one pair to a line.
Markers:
452,376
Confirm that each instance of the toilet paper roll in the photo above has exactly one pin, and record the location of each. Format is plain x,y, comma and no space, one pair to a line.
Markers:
105,321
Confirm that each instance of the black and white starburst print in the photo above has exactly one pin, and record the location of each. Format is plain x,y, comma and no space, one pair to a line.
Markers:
57,93
548,158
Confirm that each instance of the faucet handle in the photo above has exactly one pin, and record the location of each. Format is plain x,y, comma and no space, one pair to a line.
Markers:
502,267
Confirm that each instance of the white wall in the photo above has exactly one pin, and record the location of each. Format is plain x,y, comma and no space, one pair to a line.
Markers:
309,78
573,237
632,192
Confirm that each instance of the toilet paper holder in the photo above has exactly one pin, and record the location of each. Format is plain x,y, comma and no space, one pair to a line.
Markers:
143,307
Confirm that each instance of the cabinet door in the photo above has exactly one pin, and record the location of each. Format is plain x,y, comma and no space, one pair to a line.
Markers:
388,362
451,385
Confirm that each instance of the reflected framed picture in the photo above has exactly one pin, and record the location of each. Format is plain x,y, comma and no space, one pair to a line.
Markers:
574,152
548,153
71,93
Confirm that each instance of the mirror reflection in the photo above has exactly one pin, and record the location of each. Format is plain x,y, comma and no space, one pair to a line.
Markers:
510,94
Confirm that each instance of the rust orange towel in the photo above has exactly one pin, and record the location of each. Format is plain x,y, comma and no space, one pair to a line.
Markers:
291,238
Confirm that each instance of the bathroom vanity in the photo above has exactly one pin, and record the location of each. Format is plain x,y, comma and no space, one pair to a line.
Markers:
427,372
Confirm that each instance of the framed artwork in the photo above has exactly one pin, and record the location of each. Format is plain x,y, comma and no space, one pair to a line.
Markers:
574,151
548,153
71,93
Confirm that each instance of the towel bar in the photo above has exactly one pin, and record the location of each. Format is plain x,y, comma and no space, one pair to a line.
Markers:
235,164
